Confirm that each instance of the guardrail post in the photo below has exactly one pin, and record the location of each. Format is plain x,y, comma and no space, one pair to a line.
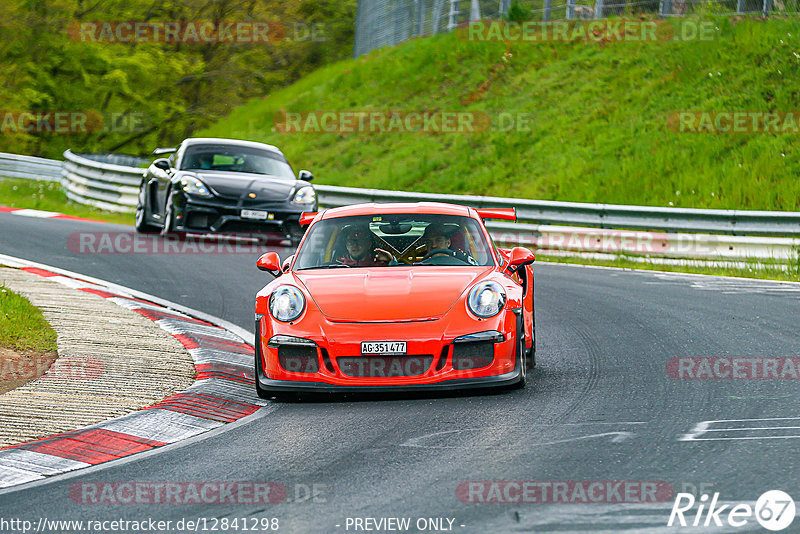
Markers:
570,9
452,18
598,9
546,13
767,8
474,11
437,15
502,8
421,17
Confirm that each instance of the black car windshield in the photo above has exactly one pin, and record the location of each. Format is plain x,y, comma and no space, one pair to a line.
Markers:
394,240
234,158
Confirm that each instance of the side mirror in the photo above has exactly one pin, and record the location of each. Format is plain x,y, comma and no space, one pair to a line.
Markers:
519,256
305,175
269,262
287,263
162,163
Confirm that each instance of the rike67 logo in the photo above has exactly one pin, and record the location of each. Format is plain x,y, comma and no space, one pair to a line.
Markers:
774,510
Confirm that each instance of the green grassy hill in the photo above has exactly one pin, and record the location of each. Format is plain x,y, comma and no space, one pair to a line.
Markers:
598,118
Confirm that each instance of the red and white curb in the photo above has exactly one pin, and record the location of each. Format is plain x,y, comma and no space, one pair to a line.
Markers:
223,392
40,214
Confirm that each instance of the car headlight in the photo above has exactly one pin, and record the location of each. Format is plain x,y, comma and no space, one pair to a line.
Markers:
193,186
286,303
305,195
486,299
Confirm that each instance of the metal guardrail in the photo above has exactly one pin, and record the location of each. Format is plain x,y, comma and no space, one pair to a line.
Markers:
732,222
103,185
566,227
16,166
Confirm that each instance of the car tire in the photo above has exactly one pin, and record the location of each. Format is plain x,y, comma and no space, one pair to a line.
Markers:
521,357
141,213
530,354
259,371
261,392
169,215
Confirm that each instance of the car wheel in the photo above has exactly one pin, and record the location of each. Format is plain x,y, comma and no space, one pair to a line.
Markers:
530,354
521,357
169,216
259,371
141,213
263,393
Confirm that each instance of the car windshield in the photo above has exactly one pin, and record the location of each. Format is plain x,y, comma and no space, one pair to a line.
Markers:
232,158
394,240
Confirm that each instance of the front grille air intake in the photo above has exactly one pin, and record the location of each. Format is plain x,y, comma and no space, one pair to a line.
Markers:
298,358
384,366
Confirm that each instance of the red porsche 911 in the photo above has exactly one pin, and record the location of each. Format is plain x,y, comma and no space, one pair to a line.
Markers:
397,297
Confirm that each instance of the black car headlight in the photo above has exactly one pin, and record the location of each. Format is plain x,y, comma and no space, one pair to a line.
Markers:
286,303
305,195
194,186
486,299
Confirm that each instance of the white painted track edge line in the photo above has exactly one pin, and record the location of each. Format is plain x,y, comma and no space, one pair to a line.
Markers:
245,335
646,271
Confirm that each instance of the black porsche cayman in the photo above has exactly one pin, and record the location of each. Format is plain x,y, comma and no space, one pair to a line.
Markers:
210,185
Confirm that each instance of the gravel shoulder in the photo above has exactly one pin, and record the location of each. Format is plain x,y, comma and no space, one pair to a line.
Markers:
111,361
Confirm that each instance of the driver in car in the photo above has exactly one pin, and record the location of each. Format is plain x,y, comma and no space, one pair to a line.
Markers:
361,249
437,239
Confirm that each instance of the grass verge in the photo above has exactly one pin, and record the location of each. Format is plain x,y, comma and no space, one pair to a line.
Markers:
22,326
582,121
48,196
27,341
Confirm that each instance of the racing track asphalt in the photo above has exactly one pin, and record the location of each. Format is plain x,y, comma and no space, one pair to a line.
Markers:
600,407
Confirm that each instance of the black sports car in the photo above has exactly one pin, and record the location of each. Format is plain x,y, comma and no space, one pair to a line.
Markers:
213,185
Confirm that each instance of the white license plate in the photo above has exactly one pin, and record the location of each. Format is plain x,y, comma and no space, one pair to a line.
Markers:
257,214
383,347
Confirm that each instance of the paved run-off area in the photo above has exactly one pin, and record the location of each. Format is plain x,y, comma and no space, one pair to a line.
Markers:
111,361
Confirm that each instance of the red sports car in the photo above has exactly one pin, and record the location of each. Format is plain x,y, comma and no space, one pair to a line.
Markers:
395,297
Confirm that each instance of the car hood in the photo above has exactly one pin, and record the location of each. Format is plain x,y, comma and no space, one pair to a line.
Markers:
237,185
388,293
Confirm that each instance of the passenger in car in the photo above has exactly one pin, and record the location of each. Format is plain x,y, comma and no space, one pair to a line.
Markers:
361,248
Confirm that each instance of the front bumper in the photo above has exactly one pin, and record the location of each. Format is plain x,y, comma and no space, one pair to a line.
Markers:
198,215
294,386
446,346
